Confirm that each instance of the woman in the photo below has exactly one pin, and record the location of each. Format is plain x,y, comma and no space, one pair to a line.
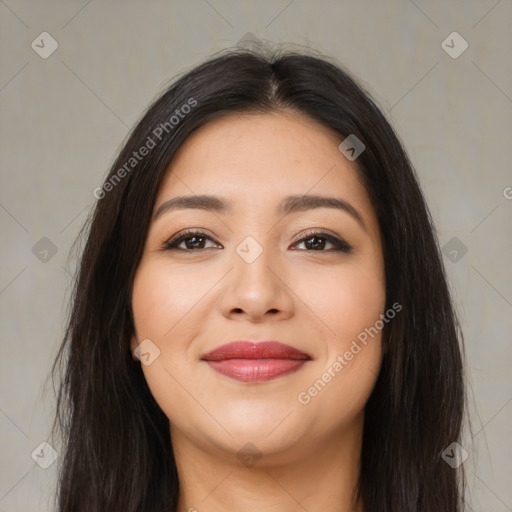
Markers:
261,319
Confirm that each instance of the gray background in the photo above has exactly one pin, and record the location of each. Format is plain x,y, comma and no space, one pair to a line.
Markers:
65,117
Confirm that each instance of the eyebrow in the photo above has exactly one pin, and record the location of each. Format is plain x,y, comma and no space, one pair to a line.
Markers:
290,204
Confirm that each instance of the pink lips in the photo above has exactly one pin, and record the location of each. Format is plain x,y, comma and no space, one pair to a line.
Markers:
255,362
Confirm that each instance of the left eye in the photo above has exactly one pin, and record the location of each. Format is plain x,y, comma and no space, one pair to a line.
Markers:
317,243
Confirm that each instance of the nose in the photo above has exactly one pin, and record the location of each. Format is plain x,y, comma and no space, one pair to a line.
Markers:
257,291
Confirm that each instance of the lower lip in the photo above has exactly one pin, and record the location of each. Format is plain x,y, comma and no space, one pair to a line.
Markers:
256,370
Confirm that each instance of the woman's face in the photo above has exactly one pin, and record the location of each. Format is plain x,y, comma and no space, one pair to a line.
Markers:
255,272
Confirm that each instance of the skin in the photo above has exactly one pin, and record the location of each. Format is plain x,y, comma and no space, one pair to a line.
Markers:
295,292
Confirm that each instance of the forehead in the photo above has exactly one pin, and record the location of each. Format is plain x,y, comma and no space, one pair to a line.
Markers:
257,159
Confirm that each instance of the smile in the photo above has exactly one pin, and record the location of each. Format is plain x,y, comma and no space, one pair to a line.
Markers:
255,362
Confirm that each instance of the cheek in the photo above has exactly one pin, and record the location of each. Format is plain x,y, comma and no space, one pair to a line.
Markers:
163,296
347,299
163,301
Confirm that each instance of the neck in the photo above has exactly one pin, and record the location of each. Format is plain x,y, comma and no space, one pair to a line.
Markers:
320,477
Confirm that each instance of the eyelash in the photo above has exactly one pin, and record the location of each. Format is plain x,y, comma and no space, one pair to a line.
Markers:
340,245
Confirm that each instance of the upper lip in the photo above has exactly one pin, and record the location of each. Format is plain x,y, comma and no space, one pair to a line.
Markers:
254,350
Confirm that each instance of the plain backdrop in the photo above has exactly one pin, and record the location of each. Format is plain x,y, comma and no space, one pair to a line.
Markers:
65,116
